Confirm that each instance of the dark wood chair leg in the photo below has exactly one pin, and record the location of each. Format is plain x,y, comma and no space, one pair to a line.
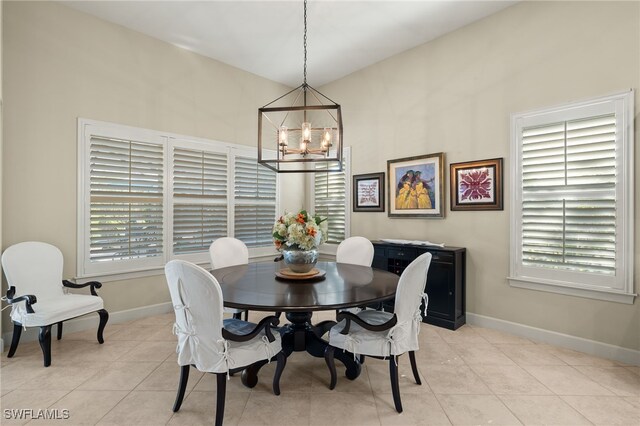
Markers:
104,317
414,367
221,378
246,315
17,332
328,357
282,361
395,385
182,387
59,330
45,343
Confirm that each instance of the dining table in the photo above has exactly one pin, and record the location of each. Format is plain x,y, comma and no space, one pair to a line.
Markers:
263,287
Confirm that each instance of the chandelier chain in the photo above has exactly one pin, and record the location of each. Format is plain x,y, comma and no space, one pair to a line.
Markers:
305,42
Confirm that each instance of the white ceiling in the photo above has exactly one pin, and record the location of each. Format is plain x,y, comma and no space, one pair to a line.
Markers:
265,37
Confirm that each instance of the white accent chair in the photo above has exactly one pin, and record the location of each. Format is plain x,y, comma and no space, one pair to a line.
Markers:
380,334
209,343
34,270
356,251
225,252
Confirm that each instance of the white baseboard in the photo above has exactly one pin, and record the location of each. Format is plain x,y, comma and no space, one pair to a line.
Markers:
591,347
90,321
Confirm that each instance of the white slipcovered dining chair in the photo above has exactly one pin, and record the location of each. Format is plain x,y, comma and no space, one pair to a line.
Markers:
225,252
380,334
356,251
209,343
34,274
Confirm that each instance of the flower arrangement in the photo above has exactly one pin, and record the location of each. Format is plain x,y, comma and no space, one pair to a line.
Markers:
304,230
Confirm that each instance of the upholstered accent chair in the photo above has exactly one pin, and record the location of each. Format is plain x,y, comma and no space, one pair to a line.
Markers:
225,252
211,344
38,294
380,334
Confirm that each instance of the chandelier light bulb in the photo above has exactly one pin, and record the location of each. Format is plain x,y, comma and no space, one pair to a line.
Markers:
306,131
326,138
283,136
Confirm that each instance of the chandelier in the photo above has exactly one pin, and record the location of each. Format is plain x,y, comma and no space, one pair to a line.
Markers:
300,128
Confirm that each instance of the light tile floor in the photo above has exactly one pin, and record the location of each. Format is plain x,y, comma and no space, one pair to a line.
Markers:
470,376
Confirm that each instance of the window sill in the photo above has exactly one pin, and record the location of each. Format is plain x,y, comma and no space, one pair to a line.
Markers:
109,277
553,287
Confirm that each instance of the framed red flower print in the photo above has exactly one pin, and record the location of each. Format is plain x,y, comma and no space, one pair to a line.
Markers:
476,185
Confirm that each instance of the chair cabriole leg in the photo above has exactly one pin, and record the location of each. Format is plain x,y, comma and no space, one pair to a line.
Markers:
221,379
104,317
45,343
17,332
414,367
328,357
182,387
282,361
59,330
395,385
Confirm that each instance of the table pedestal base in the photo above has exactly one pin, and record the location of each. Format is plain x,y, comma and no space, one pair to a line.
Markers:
300,336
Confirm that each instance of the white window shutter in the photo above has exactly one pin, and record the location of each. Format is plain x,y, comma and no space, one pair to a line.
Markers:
572,199
563,225
126,206
330,192
199,199
255,202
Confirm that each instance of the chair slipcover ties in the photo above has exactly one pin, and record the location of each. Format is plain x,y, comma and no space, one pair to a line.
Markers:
13,308
191,337
18,314
396,336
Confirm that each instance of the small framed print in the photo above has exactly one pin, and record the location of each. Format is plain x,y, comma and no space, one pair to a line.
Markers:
416,186
476,185
368,192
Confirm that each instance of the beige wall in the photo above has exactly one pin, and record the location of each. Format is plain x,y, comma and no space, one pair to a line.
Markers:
455,95
61,64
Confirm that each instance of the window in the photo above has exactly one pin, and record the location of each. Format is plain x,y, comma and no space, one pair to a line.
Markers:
146,197
199,199
331,197
254,202
572,199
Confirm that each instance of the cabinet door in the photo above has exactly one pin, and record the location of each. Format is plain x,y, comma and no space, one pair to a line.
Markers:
440,280
379,257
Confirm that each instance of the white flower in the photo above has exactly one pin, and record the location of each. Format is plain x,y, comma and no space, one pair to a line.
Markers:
290,230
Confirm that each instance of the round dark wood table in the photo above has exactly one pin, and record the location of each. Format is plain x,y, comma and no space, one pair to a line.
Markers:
255,287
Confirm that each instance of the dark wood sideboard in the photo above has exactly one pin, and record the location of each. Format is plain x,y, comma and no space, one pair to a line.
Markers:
446,279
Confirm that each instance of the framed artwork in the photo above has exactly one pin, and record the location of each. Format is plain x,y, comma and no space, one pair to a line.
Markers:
368,192
476,185
416,186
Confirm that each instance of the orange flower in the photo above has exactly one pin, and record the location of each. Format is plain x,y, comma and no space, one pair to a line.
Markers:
311,232
278,243
300,218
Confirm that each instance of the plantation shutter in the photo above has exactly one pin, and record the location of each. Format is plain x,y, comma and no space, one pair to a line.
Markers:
199,199
569,195
330,200
126,205
255,202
